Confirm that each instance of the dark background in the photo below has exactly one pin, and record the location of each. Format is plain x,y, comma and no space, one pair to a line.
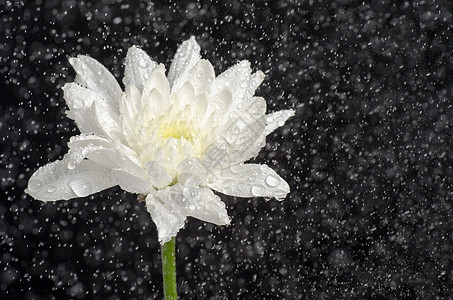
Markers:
367,155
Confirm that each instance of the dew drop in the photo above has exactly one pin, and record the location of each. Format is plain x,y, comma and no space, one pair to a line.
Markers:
71,165
51,189
80,187
280,196
142,63
227,190
272,180
257,190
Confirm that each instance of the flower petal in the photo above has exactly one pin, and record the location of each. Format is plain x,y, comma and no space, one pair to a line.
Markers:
209,208
107,153
245,140
250,180
91,111
187,55
168,221
156,92
55,181
277,119
157,175
201,76
94,76
194,166
130,182
138,67
235,79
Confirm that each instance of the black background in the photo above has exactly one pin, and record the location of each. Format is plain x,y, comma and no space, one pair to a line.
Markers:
367,155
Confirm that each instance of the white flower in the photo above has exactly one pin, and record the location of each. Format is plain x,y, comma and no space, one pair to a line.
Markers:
173,138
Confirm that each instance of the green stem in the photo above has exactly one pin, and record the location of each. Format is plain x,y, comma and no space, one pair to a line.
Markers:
169,269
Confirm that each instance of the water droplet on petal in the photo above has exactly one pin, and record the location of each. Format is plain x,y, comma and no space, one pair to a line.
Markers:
241,186
51,189
71,165
272,180
280,196
80,187
142,63
257,190
227,190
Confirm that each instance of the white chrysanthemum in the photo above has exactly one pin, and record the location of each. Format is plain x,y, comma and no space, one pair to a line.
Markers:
173,138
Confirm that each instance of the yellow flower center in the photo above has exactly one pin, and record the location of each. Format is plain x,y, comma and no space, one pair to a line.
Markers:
177,130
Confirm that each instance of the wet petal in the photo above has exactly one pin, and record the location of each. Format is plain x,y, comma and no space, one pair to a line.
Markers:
156,92
138,67
94,76
167,220
201,76
105,152
277,119
130,182
91,112
157,175
245,140
250,180
187,55
56,181
208,207
235,79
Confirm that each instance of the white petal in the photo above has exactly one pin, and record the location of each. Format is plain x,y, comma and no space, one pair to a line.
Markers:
91,112
157,84
168,221
157,175
209,208
55,181
245,140
187,55
277,119
130,182
77,96
107,153
189,199
250,180
201,76
192,165
138,67
220,101
131,103
216,155
93,75
235,79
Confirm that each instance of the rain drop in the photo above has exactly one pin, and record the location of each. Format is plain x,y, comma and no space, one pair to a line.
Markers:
272,180
257,190
51,189
80,187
